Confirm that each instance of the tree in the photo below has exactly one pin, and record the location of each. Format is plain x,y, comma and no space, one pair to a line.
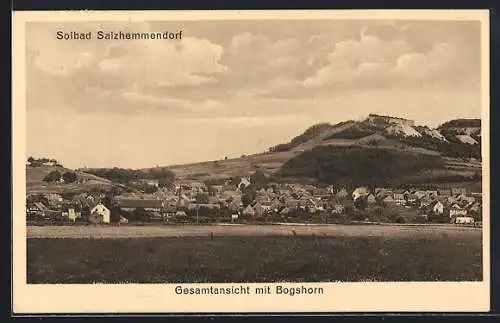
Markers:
166,182
37,198
361,203
69,177
140,214
149,189
115,214
259,179
202,198
53,176
235,180
211,190
249,194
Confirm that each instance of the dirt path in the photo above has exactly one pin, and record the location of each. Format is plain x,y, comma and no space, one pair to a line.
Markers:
247,230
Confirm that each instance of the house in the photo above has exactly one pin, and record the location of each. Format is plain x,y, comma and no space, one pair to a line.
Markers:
320,191
183,202
73,215
460,197
411,198
217,189
420,194
248,211
444,192
228,187
469,199
457,210
382,193
311,206
399,198
210,206
360,192
432,193
475,207
463,220
338,209
244,183
37,209
146,204
458,190
383,190
342,193
100,214
213,200
259,210
370,199
50,163
389,199
283,191
285,211
263,199
234,207
275,205
437,207
169,209
291,203
180,213
54,199
425,201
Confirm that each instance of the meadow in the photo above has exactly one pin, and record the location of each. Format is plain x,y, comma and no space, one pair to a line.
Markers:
298,254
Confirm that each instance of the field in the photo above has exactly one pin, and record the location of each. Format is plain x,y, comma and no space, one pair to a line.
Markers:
267,162
35,183
194,254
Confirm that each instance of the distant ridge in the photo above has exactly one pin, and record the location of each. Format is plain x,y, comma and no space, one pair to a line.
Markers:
449,152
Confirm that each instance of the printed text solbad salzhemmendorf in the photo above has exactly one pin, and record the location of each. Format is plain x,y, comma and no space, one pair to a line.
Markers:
117,35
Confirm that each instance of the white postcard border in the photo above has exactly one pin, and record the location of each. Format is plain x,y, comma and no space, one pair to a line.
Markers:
147,298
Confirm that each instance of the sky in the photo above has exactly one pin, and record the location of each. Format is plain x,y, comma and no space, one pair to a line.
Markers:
229,88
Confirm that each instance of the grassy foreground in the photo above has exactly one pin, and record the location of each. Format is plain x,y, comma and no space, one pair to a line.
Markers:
254,259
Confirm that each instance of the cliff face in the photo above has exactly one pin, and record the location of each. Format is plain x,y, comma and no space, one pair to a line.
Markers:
376,119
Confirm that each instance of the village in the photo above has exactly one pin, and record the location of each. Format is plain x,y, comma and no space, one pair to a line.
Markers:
191,202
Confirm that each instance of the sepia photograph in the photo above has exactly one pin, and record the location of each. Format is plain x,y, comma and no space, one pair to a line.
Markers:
238,155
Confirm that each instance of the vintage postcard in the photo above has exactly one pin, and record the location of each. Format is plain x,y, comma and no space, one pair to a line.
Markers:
251,161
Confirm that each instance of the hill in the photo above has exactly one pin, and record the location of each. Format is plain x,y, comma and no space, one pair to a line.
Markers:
461,123
84,182
386,146
357,165
450,142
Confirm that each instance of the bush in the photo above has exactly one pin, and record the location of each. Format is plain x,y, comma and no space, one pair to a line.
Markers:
420,219
400,219
69,177
53,176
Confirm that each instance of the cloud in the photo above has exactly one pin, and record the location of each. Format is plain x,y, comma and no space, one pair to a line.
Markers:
216,74
113,75
190,62
371,62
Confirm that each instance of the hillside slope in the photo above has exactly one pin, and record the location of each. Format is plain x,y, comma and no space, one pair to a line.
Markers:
85,182
400,136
